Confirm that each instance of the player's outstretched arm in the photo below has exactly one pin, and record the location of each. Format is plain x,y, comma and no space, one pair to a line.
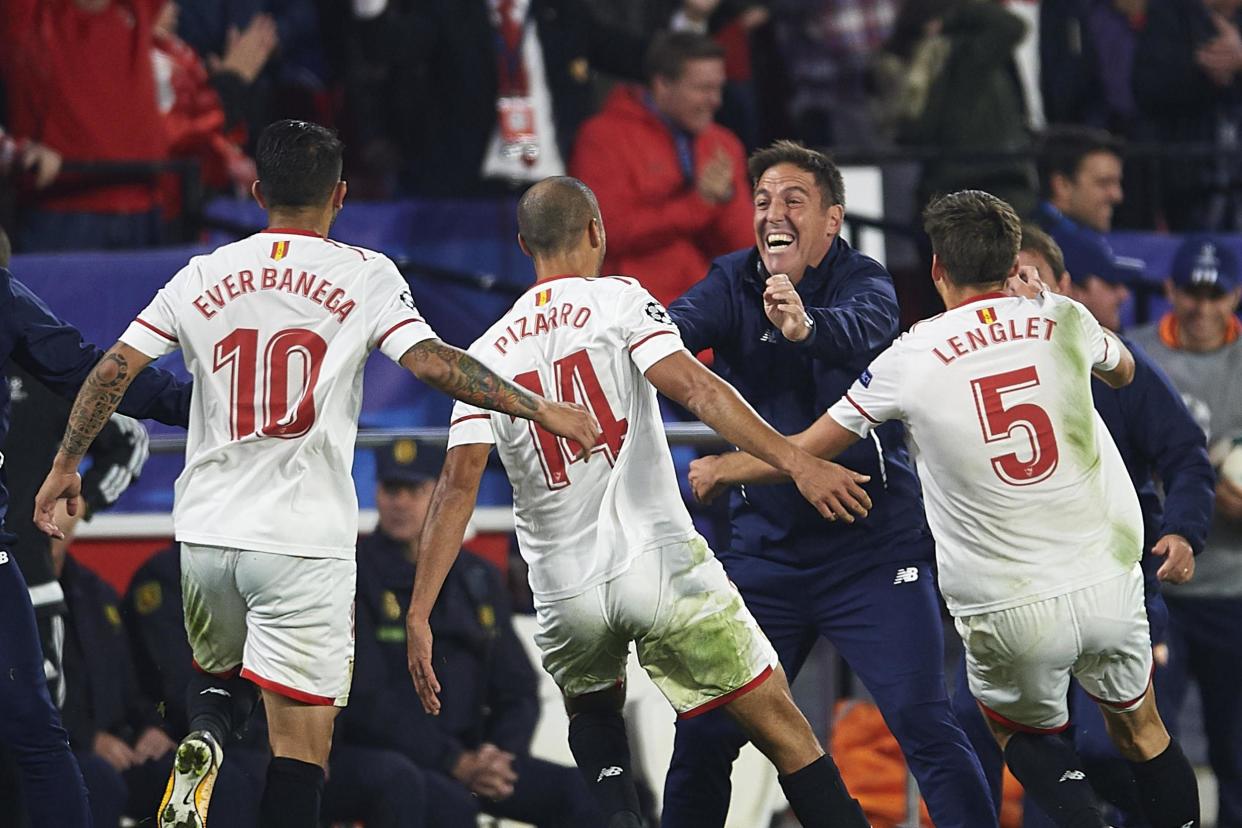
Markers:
452,503
825,438
96,402
1124,372
464,378
833,490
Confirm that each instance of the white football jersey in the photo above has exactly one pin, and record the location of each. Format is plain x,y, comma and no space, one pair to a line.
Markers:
1026,493
275,330
587,341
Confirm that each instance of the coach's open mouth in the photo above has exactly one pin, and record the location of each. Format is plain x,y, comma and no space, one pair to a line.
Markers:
777,242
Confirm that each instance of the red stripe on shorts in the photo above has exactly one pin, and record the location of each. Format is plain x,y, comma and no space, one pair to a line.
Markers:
728,697
287,692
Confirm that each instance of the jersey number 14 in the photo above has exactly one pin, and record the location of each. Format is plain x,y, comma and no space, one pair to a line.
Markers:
294,353
576,382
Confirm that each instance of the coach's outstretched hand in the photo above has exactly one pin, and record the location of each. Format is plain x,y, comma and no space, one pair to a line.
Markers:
418,656
571,421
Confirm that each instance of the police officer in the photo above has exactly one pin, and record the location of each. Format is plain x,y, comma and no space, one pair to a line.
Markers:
478,748
378,787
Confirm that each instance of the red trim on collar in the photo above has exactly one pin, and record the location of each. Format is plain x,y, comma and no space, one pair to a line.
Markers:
292,231
982,297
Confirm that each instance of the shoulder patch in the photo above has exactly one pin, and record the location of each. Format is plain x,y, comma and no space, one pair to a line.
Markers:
865,378
657,312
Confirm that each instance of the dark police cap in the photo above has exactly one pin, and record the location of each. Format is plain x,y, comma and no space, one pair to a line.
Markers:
408,461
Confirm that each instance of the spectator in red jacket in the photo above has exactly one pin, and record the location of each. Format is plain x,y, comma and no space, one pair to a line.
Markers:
79,80
670,181
194,106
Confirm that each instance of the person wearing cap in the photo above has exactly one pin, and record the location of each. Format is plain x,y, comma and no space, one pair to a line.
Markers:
1158,439
1098,278
1198,344
477,751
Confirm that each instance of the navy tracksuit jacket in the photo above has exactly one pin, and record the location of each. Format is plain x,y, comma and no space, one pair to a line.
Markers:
53,352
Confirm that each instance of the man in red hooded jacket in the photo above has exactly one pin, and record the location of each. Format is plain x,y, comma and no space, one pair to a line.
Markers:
670,181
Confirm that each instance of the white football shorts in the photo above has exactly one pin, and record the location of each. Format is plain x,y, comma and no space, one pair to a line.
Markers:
1019,660
286,621
693,633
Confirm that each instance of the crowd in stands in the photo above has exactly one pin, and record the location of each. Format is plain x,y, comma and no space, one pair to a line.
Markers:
480,97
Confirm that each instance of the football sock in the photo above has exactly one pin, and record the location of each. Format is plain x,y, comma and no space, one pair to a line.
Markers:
292,795
819,798
602,750
1051,772
220,706
1168,791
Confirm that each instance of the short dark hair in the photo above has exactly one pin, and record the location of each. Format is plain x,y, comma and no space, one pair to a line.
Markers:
1036,240
1063,148
827,176
975,235
670,51
553,214
299,163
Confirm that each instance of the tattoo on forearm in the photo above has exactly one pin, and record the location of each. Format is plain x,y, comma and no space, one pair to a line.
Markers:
98,399
472,382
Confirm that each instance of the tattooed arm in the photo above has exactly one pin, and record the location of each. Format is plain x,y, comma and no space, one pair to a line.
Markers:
464,378
98,399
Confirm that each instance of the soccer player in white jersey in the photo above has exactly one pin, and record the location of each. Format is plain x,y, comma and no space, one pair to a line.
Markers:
275,329
613,556
1037,526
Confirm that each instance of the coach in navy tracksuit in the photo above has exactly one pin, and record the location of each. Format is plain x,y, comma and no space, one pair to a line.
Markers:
1157,438
868,586
52,352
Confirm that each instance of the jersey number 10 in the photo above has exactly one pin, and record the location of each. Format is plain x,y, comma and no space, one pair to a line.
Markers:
576,382
293,352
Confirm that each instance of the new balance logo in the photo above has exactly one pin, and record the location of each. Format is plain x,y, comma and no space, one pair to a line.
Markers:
612,770
907,575
4,557
1075,776
220,691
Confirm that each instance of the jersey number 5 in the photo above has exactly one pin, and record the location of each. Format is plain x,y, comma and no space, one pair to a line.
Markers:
999,423
576,382
292,354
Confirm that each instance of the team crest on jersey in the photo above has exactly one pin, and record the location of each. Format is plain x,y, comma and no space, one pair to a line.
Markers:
543,297
280,249
986,315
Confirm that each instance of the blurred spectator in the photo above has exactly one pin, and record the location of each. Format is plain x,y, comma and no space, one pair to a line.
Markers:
19,157
1099,279
975,103
1086,53
671,183
79,80
201,111
1080,180
477,751
827,47
482,96
730,24
1198,344
1187,86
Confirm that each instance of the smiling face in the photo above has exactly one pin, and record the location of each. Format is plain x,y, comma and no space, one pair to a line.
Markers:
1203,315
690,101
794,224
1090,196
